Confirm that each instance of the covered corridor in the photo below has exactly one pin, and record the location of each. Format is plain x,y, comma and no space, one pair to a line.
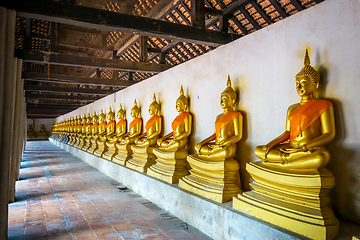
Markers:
59,196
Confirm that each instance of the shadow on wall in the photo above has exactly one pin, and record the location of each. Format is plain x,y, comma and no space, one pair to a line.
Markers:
345,165
243,154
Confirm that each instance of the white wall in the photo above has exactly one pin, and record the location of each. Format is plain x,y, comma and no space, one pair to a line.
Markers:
36,122
263,66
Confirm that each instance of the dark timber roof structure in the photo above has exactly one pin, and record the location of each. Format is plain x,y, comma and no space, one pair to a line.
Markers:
77,51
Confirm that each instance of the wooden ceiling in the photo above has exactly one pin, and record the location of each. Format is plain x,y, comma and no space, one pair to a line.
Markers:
77,51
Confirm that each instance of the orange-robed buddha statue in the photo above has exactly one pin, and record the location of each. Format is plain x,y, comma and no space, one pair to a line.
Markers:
215,173
309,126
143,156
42,132
30,132
88,134
291,183
123,145
119,134
101,135
171,154
110,132
82,135
94,134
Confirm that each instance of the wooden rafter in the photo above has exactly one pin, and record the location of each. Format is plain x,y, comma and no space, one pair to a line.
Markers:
78,61
63,78
111,21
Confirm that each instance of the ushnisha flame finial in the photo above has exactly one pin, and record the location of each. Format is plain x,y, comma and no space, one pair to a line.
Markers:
182,97
229,90
308,70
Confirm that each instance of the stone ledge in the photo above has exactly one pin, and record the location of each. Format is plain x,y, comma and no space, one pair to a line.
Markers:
219,221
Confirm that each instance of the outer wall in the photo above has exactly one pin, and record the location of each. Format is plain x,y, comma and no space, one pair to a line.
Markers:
262,67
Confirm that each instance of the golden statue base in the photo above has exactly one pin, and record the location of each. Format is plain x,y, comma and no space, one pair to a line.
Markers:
111,151
42,134
81,143
142,159
291,199
93,146
123,154
75,142
170,165
216,180
30,135
102,148
87,144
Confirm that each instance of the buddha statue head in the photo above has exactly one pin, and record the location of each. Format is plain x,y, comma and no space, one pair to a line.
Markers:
79,120
88,119
135,110
101,116
228,96
182,101
95,118
307,80
154,107
84,119
111,115
121,113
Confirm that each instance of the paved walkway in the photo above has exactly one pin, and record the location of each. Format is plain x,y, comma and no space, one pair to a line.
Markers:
59,196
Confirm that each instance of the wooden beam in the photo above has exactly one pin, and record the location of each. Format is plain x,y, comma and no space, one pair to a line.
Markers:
62,78
54,102
143,55
61,97
213,11
58,89
58,106
198,13
42,116
48,110
78,61
111,21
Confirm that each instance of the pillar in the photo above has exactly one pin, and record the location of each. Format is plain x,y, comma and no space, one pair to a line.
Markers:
16,141
7,40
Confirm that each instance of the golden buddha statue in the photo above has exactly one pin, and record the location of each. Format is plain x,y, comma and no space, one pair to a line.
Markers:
30,132
88,134
119,134
109,132
291,184
143,156
94,134
171,154
123,145
82,134
71,131
77,131
215,173
309,126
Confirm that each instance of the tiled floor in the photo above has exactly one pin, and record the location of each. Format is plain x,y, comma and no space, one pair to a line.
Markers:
59,196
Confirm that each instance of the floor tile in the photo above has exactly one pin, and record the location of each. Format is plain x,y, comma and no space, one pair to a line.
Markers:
59,197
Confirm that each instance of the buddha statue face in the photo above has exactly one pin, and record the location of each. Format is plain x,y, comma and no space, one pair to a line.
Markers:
228,97
101,116
152,110
121,114
226,101
134,112
110,116
154,107
180,106
305,86
94,118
